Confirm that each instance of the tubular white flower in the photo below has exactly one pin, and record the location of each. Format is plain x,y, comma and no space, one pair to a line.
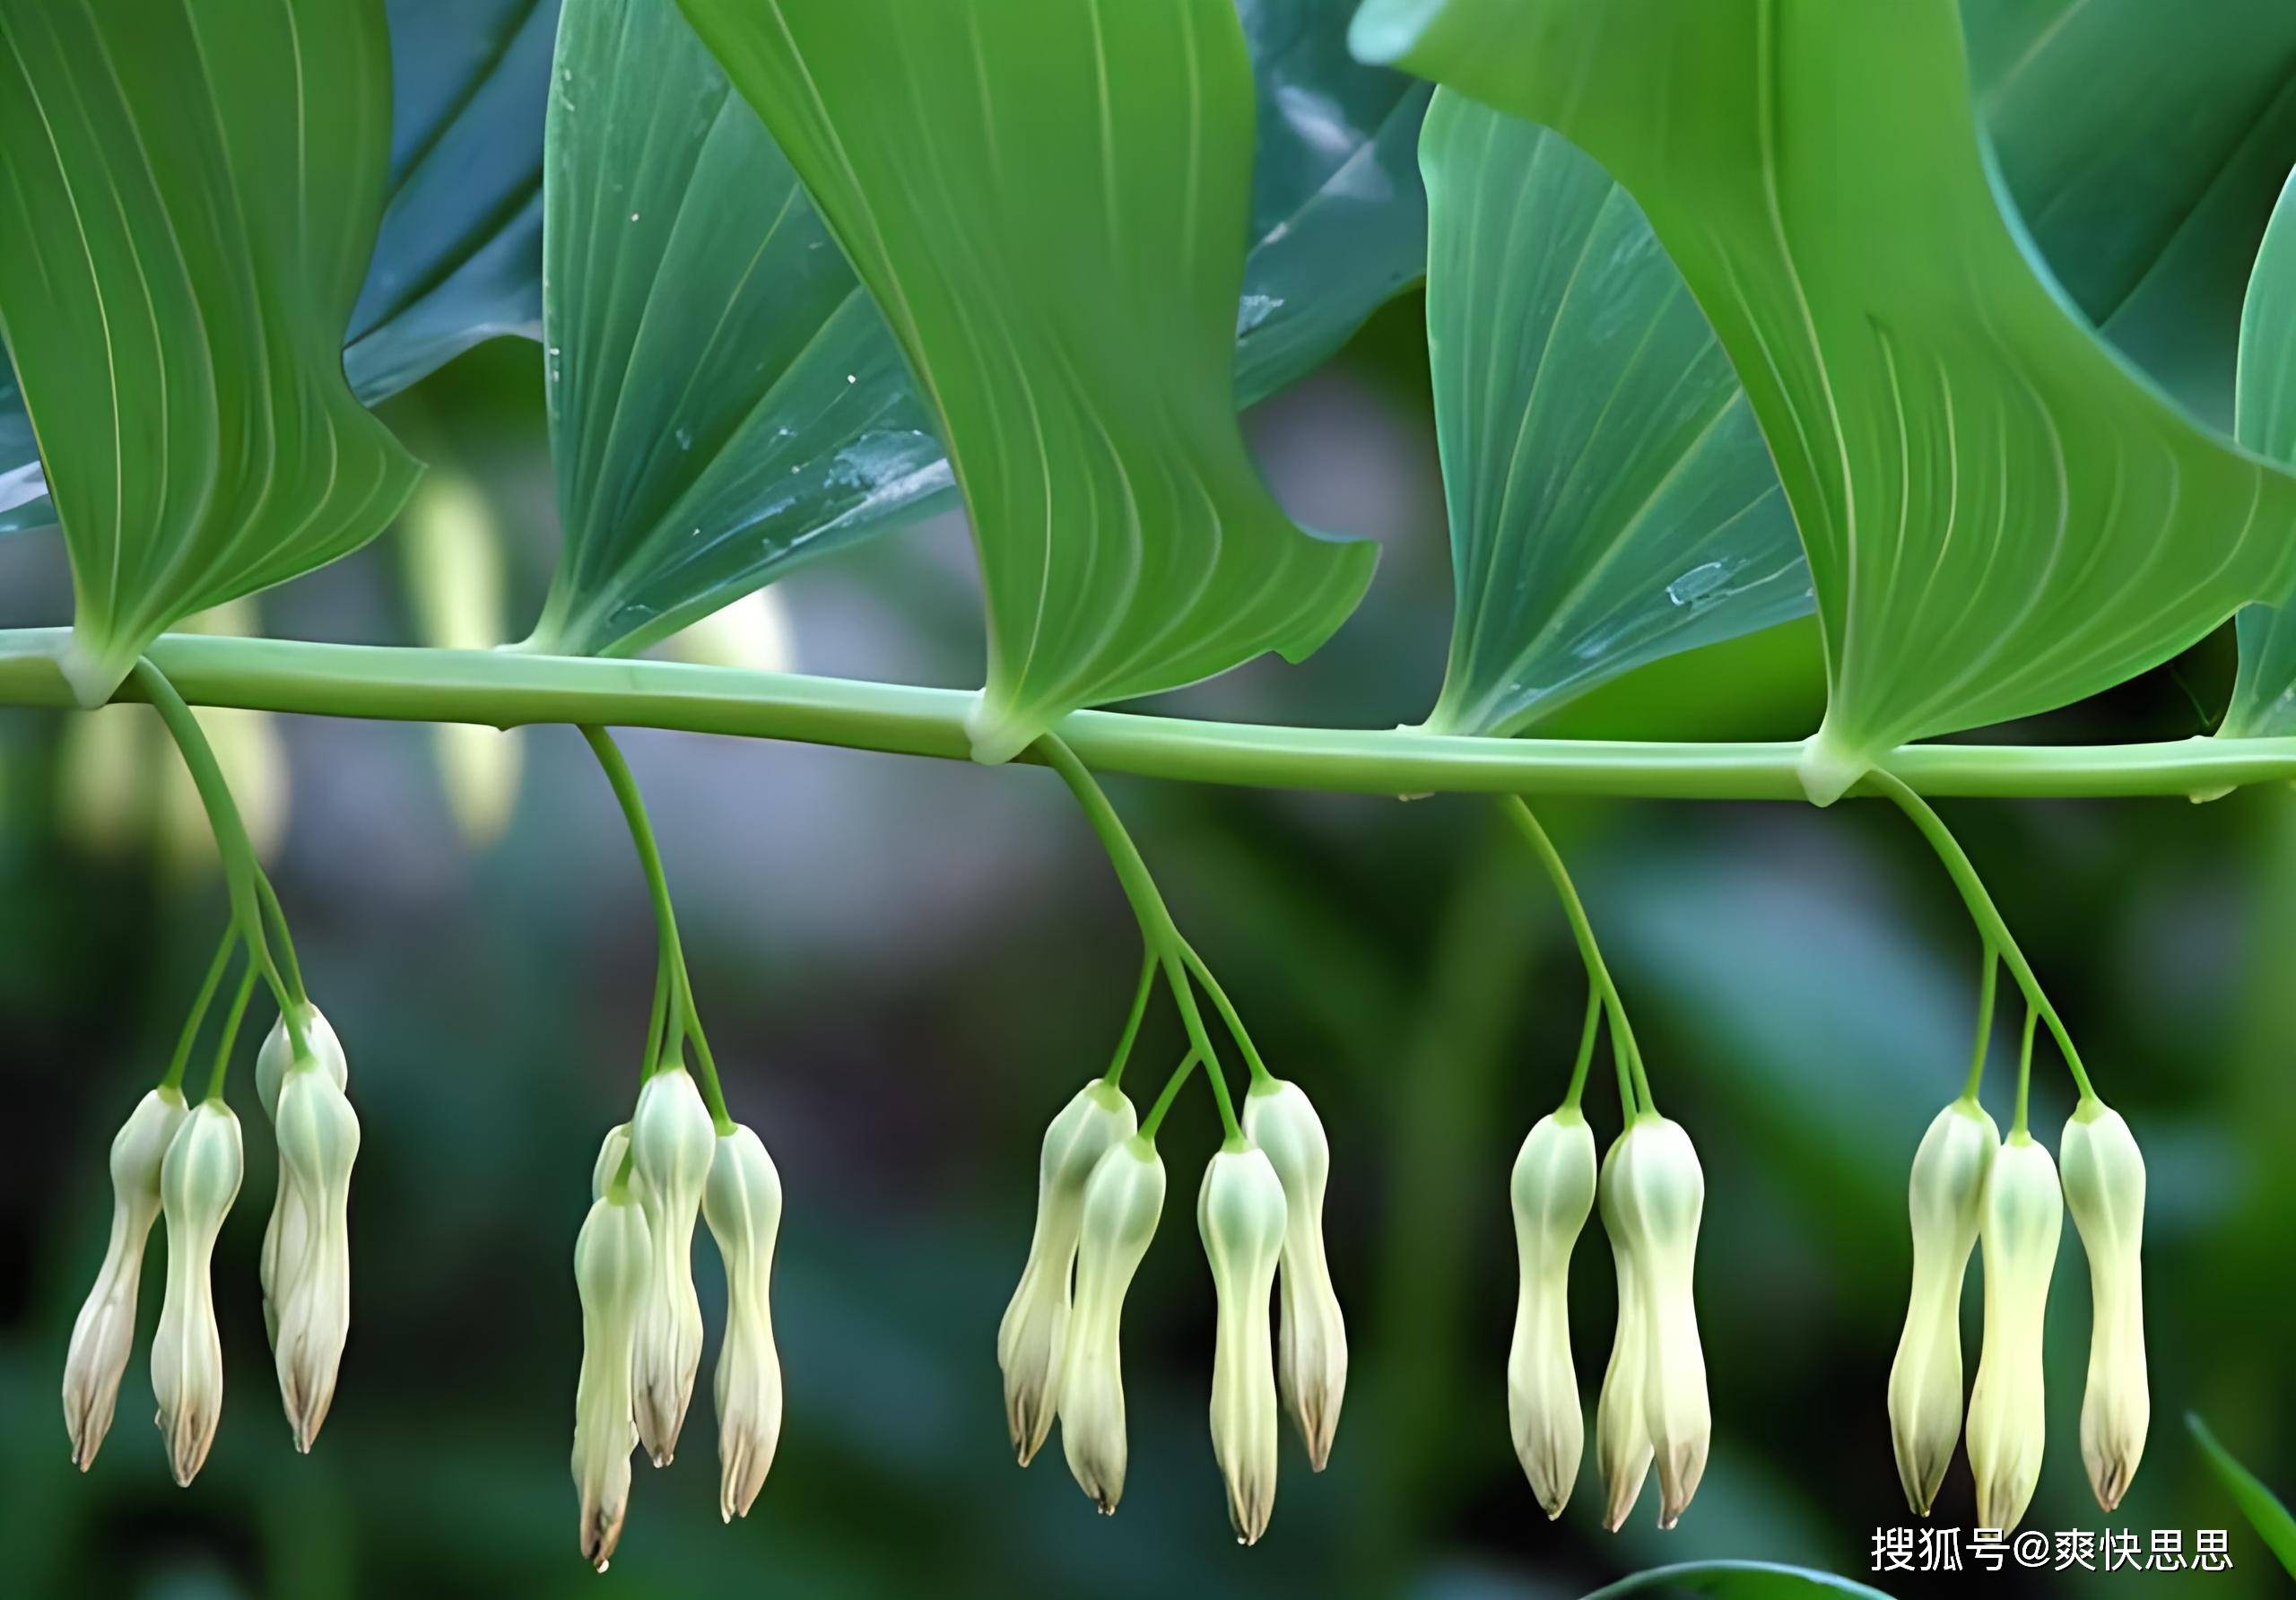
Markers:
310,1281
1657,1193
1623,1451
199,1178
1552,1192
1033,1336
2024,1212
284,1232
1945,1198
1240,1211
2104,1189
1123,1200
671,1142
1311,1343
614,1270
742,1203
105,1326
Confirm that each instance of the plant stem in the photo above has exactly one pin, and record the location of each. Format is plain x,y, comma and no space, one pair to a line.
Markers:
683,1021
1155,1118
1984,1024
1113,1077
2024,1074
189,1037
1985,914
232,1020
1220,1003
1628,1054
290,966
504,689
1586,1048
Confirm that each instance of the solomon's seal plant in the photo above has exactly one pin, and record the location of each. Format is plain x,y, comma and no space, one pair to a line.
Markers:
803,270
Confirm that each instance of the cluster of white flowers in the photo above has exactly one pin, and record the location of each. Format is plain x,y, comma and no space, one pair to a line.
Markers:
1653,1407
1100,1194
1970,1186
183,1163
669,1165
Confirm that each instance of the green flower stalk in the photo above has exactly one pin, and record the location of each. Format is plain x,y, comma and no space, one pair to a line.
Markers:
1311,1343
1552,1192
1240,1213
2024,1212
199,1178
1654,1193
105,1326
2104,1189
1033,1339
672,1145
1124,1199
614,1270
1945,1198
742,1202
310,1283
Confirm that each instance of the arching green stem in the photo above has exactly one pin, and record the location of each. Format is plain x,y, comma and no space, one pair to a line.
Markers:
1984,1024
232,1020
1113,1077
1155,1118
2024,1074
189,1038
1220,1003
1984,913
1587,1031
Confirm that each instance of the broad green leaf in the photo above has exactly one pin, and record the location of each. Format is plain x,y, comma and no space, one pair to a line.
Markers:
458,257
2001,514
1048,200
1611,500
2143,145
2257,1503
2263,695
727,401
189,219
1737,1580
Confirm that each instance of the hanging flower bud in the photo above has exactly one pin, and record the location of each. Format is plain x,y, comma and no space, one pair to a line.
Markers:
1554,1192
1311,1347
671,1142
2104,1189
285,1233
743,1203
1240,1211
2024,1212
106,1326
310,1281
614,1269
612,1151
1031,1339
199,1178
1946,1200
1655,1192
1123,1199
1623,1450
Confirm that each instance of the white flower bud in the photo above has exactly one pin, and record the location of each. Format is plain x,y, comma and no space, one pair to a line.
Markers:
1240,1213
1945,1198
1654,1193
1552,1191
612,1150
1123,1199
1311,1344
310,1281
1032,1337
2024,1212
614,1270
671,1142
2104,1189
1622,1452
284,1234
742,1203
198,1180
106,1326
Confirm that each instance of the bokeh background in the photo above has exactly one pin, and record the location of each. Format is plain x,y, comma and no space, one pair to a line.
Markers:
906,967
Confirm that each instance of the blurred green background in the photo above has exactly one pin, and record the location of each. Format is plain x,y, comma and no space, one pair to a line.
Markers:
906,967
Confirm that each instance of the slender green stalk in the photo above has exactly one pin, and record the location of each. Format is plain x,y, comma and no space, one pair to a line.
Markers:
1220,1003
2024,1074
1113,1077
1586,1031
1984,1024
1155,1118
230,1036
504,688
657,1023
1625,1050
1985,914
276,917
189,1037
683,1021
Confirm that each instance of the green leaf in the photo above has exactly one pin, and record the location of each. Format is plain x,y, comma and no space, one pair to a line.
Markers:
2143,145
2264,694
2257,1503
1049,200
189,220
1610,499
2001,514
1737,1580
